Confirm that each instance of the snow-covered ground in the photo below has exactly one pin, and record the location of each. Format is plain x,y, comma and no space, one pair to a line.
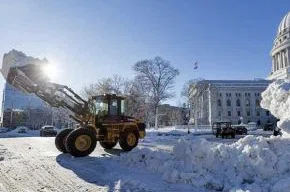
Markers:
166,160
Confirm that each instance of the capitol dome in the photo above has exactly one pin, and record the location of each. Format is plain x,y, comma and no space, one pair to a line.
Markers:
280,52
285,24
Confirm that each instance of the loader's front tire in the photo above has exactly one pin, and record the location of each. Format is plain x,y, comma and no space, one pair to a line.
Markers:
128,140
108,145
60,139
81,142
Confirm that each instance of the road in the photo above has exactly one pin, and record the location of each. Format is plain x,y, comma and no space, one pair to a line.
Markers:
33,164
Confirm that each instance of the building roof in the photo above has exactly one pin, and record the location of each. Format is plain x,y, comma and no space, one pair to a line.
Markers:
285,24
239,83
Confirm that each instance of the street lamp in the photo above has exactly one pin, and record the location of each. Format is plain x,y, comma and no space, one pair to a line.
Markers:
241,119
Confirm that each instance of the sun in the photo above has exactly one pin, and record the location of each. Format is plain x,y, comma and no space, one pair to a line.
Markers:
50,71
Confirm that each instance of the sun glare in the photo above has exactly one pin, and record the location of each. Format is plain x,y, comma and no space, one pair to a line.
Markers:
51,71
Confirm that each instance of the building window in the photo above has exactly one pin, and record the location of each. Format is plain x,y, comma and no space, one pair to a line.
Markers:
219,114
229,103
257,102
248,102
220,95
239,113
229,113
258,113
238,102
219,102
267,113
248,113
230,94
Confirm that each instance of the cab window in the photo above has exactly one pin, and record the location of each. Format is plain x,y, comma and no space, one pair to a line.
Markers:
114,107
101,107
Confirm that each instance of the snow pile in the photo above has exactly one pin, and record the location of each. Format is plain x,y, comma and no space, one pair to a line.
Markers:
276,98
16,58
252,163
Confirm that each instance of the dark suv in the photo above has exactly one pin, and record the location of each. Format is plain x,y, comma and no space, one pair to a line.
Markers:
48,130
269,127
241,130
223,129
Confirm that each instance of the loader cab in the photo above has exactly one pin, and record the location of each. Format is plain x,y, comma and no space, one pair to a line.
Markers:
107,105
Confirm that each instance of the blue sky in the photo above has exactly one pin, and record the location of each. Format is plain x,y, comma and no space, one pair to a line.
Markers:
89,40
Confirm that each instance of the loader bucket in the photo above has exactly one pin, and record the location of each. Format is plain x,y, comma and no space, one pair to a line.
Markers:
26,77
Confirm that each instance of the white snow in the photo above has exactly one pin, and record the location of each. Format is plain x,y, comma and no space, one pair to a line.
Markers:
252,163
166,160
16,58
276,98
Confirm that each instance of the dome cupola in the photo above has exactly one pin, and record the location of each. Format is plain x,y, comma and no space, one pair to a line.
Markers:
280,52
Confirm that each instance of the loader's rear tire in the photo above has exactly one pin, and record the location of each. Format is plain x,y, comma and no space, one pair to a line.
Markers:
81,142
128,140
108,145
60,139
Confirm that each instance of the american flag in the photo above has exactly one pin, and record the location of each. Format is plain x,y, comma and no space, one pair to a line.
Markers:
195,65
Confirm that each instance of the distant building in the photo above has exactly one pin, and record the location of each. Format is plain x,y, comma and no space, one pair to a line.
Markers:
15,102
280,52
237,101
172,115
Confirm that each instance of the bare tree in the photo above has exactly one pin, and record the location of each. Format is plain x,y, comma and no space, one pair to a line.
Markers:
110,85
135,99
193,91
158,77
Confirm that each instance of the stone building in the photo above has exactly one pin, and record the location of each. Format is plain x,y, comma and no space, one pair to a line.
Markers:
239,100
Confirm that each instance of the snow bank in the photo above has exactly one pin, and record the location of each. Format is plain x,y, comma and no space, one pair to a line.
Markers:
276,98
16,58
251,163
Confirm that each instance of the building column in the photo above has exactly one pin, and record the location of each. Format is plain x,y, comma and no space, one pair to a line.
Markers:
209,105
275,63
273,69
288,56
279,61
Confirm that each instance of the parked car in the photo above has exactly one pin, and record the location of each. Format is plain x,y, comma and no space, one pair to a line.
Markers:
21,129
48,130
269,127
241,130
223,129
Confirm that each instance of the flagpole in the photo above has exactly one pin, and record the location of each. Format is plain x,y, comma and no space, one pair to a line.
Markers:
195,114
195,118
